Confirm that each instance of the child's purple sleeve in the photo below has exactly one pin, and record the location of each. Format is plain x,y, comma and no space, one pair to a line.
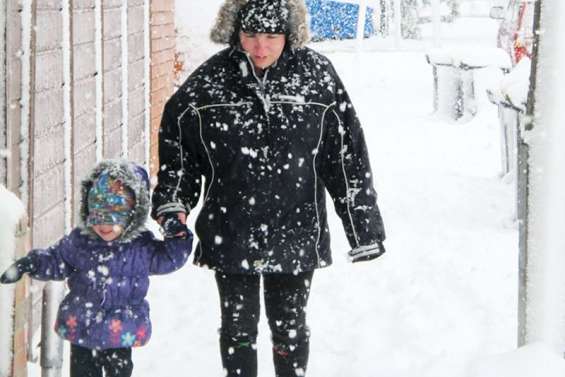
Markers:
168,255
50,263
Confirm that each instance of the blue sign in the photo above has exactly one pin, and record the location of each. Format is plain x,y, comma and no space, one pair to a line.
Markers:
336,20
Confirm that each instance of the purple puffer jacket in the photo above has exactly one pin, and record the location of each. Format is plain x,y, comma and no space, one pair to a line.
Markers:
108,281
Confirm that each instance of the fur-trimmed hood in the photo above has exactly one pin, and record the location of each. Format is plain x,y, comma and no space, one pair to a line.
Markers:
133,177
225,28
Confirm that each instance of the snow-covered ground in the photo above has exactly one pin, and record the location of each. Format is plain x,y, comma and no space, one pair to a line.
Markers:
443,300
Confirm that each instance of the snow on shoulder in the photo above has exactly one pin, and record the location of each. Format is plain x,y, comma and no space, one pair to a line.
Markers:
532,360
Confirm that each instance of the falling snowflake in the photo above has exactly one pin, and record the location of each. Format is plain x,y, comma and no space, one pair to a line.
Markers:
103,270
245,264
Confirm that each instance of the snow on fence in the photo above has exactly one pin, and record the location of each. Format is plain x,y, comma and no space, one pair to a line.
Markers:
510,95
12,211
125,78
453,73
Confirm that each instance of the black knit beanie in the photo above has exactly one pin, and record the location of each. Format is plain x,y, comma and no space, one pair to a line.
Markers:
264,16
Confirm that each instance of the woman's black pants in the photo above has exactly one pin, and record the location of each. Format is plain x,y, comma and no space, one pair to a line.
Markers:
286,296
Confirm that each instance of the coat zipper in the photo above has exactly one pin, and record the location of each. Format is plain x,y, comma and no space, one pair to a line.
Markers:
266,106
263,97
262,86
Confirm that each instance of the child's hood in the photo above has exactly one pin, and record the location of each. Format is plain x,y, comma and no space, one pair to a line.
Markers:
135,178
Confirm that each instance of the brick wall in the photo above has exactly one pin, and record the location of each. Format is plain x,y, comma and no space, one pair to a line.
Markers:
100,86
84,75
47,134
136,77
162,67
13,92
112,77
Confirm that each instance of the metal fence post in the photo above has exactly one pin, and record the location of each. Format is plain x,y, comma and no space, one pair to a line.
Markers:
522,204
51,345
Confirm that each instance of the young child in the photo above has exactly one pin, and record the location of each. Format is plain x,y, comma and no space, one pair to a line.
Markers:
107,260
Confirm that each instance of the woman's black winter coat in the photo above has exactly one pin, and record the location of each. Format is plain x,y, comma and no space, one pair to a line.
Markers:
268,148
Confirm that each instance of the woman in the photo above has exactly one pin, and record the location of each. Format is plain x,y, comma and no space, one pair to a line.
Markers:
270,126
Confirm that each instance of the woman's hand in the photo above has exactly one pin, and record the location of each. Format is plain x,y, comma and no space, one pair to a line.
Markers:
366,253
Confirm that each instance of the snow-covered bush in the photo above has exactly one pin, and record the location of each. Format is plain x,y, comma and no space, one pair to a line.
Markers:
11,211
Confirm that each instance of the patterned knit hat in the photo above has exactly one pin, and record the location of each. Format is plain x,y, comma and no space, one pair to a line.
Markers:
109,202
264,16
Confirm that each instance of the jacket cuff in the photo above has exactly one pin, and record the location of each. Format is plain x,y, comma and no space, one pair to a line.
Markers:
174,207
373,250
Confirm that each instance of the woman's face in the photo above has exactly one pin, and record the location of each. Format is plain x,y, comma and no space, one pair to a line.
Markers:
263,49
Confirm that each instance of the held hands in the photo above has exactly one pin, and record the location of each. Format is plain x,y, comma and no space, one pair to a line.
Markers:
173,225
366,253
17,270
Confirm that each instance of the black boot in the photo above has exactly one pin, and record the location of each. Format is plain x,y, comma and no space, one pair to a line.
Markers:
290,354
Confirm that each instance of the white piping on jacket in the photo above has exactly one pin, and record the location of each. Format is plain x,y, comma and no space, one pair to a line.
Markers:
316,180
207,153
223,105
327,107
181,149
347,195
181,154
197,110
303,103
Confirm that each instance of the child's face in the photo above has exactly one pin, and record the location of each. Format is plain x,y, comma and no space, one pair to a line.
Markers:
108,232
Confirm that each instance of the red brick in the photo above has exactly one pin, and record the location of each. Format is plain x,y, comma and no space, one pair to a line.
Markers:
162,5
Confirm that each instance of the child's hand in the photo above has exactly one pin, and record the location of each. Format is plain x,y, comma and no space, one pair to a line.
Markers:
173,225
17,270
